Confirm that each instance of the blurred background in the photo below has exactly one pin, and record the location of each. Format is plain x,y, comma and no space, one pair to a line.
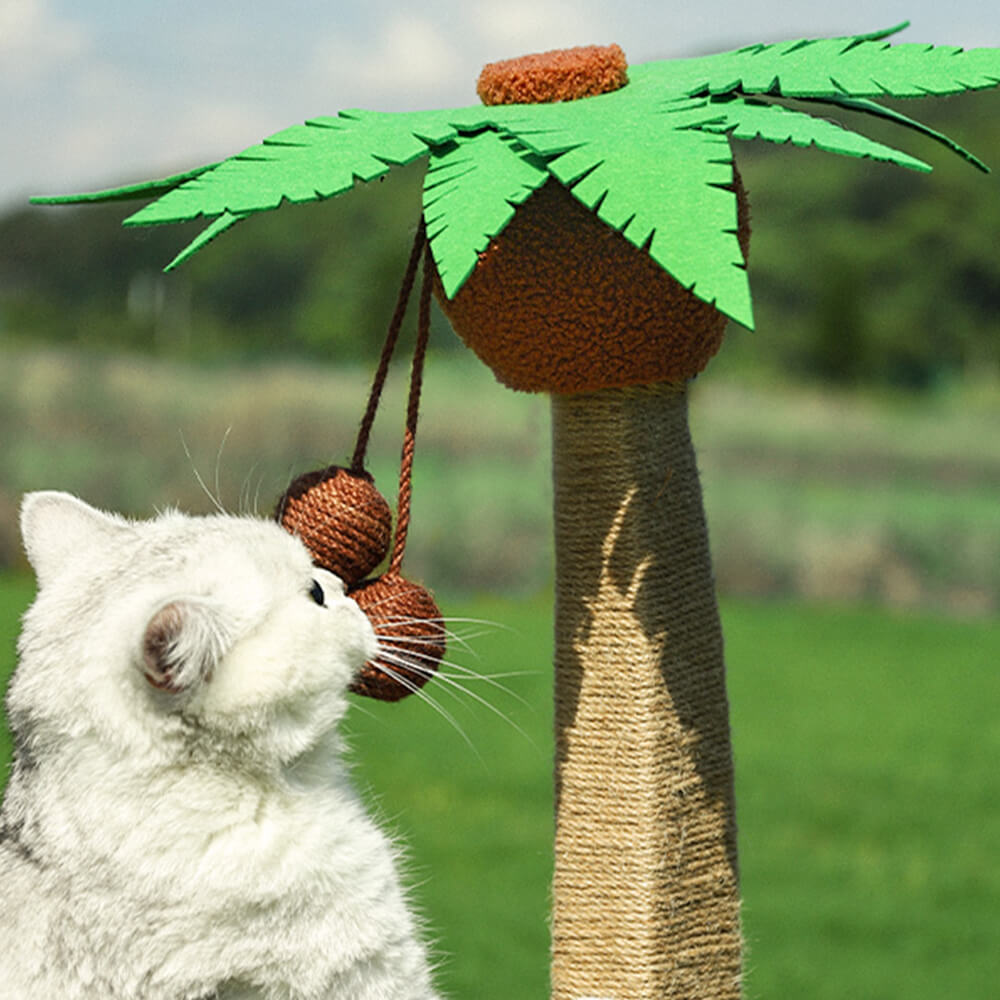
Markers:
850,449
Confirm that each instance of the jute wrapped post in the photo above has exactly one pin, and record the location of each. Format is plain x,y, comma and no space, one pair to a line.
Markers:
646,894
646,887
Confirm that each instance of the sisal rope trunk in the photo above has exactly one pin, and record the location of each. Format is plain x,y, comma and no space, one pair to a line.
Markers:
646,888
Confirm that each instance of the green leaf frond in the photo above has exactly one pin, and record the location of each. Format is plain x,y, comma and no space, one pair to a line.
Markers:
652,159
471,191
748,118
857,66
225,221
130,192
320,159
649,171
868,107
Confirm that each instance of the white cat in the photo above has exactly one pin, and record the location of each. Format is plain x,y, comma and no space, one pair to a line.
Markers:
178,824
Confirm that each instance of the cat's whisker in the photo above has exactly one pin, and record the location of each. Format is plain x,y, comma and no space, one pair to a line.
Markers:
198,478
428,648
471,675
402,641
461,639
401,660
493,680
218,459
416,689
245,507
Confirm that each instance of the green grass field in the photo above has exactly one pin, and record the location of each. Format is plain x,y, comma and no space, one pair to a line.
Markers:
867,784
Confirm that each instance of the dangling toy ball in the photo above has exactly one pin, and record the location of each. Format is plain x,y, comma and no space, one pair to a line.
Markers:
410,632
341,518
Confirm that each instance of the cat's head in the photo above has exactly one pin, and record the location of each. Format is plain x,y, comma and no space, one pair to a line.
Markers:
180,635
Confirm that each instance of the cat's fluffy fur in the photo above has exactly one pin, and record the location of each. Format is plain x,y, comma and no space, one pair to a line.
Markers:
178,824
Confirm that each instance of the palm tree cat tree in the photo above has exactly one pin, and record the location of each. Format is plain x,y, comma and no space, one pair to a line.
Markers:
590,232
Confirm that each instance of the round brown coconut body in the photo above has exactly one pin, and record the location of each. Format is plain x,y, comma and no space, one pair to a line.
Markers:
342,519
410,632
559,301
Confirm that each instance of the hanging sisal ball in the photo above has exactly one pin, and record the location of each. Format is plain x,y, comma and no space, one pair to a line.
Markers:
410,632
341,518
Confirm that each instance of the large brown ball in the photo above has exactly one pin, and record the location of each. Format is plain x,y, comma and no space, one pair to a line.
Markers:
560,302
410,632
341,518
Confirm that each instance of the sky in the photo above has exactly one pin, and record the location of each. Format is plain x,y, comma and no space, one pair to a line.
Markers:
100,92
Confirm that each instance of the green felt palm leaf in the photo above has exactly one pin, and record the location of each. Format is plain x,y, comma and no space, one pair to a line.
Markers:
862,66
867,107
649,172
225,221
749,119
651,159
471,191
128,192
317,160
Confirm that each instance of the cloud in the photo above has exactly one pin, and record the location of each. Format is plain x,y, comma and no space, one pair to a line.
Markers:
408,60
430,57
34,41
517,27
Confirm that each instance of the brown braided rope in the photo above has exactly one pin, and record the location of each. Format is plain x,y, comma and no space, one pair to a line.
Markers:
346,524
392,336
338,513
646,889
412,414
405,617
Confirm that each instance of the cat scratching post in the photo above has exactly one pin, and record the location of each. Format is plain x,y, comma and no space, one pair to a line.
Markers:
646,887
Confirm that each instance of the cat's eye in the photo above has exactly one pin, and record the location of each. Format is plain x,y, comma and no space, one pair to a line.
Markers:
316,593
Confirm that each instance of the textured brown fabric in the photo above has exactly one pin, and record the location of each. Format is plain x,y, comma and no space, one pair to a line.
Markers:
341,518
560,302
560,75
646,889
410,633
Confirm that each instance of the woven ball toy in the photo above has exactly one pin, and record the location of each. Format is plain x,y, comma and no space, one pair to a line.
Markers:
341,518
346,524
411,637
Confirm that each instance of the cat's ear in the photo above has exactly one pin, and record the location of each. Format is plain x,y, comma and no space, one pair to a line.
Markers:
181,645
57,526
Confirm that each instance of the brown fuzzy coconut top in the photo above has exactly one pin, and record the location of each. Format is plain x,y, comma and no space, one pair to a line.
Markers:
560,75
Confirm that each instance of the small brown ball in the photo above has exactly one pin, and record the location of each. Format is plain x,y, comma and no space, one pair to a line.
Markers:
341,518
410,632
